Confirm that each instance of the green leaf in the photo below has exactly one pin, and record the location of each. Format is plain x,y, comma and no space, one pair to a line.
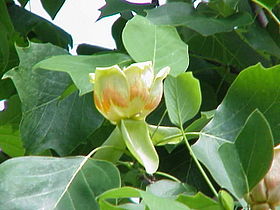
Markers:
79,67
183,14
162,44
255,88
8,57
224,7
88,49
260,40
55,183
12,115
10,141
199,201
113,7
167,189
137,139
225,48
34,27
23,2
4,17
115,150
182,97
243,165
49,122
254,139
52,7
162,135
226,200
200,123
268,4
153,202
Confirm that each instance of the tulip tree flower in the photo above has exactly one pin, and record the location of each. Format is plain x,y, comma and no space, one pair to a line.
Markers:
266,194
131,93
125,97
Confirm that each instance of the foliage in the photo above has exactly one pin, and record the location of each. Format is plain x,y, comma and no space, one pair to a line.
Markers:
220,108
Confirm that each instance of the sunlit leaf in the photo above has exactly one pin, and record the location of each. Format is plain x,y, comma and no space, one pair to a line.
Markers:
137,139
32,183
79,67
162,45
182,97
254,88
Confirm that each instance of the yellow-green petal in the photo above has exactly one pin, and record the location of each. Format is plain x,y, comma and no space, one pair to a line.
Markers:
111,92
156,91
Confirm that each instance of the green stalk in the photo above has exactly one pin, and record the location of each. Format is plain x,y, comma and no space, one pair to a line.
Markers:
160,121
168,176
268,10
198,163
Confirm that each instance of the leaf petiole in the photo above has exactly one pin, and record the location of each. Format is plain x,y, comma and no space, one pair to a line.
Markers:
198,163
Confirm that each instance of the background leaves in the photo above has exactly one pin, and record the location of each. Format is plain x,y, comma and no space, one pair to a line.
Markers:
241,100
49,121
47,116
184,14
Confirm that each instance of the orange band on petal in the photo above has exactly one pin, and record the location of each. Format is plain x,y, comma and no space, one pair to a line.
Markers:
153,104
113,96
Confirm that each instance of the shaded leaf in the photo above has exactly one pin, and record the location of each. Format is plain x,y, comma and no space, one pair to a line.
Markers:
49,121
79,67
261,41
268,4
23,2
87,49
162,44
113,7
8,57
254,88
182,97
55,183
10,141
52,7
224,7
12,115
183,14
34,27
115,150
225,48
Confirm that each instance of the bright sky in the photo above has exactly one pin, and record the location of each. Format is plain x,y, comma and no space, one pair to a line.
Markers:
78,18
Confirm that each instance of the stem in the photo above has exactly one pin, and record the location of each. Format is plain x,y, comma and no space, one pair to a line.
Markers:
101,148
268,10
198,163
166,139
160,121
168,176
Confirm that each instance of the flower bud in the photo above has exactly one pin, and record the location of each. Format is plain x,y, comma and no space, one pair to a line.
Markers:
131,93
266,194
